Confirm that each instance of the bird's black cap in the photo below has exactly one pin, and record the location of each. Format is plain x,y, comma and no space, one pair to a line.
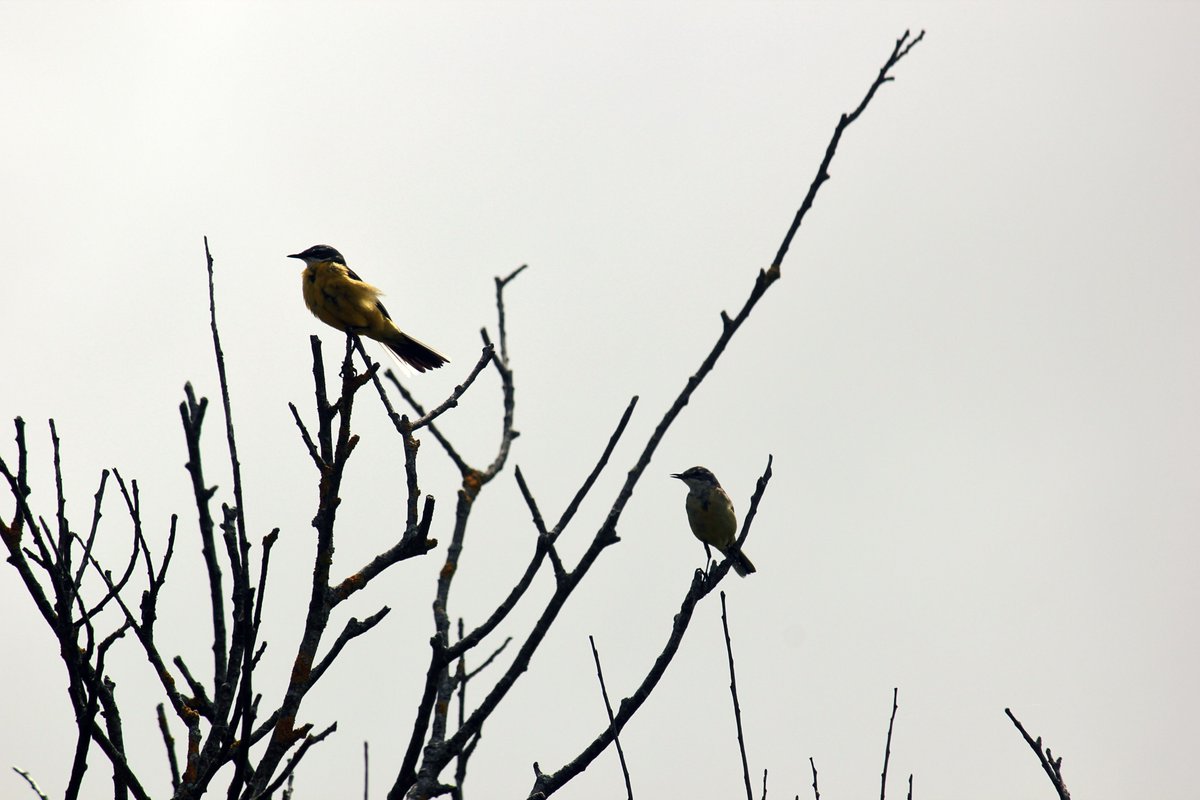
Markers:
320,252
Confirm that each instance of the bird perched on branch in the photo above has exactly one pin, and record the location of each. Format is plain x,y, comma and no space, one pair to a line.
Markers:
342,300
710,513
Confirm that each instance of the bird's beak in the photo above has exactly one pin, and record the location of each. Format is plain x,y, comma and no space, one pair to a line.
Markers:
676,475
296,255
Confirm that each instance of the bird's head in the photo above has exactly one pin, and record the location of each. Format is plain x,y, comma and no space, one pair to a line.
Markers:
320,253
697,478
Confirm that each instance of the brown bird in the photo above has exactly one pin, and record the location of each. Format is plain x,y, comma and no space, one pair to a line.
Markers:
342,300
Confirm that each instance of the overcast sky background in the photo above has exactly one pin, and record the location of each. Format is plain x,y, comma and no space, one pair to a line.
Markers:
978,376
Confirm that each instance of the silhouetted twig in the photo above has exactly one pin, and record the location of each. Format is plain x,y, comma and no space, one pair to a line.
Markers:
737,707
611,720
169,742
887,749
32,784
1051,765
903,45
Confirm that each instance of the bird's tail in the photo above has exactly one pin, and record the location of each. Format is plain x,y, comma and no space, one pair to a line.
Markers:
417,355
741,565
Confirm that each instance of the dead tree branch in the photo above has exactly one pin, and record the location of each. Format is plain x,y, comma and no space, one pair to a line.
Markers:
1050,765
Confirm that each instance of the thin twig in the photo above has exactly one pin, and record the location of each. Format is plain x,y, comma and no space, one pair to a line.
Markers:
32,784
169,742
611,719
816,791
1051,765
887,749
427,418
503,329
192,412
294,761
486,662
737,708
510,602
903,45
234,463
451,451
353,629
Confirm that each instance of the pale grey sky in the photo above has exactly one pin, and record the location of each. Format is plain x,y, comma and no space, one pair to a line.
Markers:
978,376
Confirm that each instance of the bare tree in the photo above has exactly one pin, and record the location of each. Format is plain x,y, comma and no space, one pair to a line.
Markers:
90,607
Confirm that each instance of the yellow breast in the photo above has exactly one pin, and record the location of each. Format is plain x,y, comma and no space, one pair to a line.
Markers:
339,300
711,517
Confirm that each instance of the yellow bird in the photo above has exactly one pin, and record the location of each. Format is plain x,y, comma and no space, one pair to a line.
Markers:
711,516
342,300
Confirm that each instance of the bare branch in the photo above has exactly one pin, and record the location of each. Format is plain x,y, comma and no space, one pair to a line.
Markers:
1051,765
544,537
169,743
887,750
354,628
294,761
32,784
487,661
458,460
308,442
611,719
737,707
234,463
192,413
903,45
501,326
510,602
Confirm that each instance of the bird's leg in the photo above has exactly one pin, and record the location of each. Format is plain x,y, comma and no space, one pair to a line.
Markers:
352,341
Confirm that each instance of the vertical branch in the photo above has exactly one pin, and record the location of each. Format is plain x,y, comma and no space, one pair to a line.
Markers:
887,749
502,329
737,708
192,413
234,463
460,679
438,684
612,722
169,743
335,453
235,682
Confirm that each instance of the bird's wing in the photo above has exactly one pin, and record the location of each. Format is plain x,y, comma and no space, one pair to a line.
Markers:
354,276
